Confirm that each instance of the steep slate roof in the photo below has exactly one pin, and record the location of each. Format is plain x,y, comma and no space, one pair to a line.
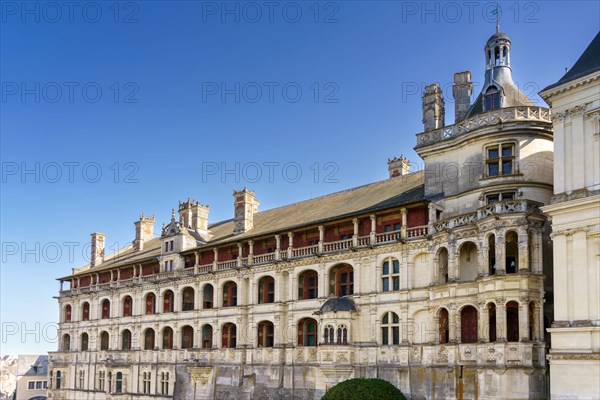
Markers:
359,200
362,199
587,63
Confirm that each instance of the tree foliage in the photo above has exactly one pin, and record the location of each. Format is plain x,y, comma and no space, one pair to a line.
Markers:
364,389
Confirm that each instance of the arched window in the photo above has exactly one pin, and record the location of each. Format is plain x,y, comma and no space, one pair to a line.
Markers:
230,294
343,276
85,340
68,313
168,302
307,332
512,252
187,302
468,265
342,335
149,339
150,303
127,306
66,342
58,379
443,327
229,337
126,340
167,338
207,336
187,337
443,265
492,321
308,285
468,325
328,334
512,321
85,311
492,254
390,329
207,296
104,341
266,290
266,332
119,383
105,309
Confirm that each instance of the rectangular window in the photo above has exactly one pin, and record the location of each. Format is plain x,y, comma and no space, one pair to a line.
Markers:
31,385
172,245
384,336
500,160
45,385
38,385
497,197
388,228
397,227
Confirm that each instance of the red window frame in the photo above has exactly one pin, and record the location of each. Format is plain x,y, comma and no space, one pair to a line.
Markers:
150,303
344,281
105,309
168,301
266,290
127,306
266,334
309,286
230,294
229,337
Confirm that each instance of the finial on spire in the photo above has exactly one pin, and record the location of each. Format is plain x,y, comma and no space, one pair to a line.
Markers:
497,11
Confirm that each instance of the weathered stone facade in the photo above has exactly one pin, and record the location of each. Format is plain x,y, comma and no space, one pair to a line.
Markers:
433,280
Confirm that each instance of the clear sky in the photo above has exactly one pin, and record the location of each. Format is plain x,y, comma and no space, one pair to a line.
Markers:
112,109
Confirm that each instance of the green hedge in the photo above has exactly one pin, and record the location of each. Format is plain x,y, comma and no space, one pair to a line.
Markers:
364,389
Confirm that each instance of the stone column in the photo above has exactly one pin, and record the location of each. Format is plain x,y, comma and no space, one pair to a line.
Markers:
216,258
404,320
524,320
435,270
355,235
453,325
290,245
483,323
378,281
240,252
500,254
452,262
197,261
523,262
277,247
403,228
321,237
250,252
357,278
484,268
500,320
293,279
373,229
323,282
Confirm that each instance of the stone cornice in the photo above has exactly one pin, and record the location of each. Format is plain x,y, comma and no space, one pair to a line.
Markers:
548,93
570,231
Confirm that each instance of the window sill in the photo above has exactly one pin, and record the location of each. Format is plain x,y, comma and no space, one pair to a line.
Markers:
508,176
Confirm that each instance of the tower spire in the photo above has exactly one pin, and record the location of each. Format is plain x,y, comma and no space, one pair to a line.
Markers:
497,11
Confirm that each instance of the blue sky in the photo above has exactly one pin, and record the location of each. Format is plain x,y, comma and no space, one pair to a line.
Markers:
122,108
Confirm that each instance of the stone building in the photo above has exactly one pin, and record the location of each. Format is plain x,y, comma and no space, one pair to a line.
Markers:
575,212
32,377
433,280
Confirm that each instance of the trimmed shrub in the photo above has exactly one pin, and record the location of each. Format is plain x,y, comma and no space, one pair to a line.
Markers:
364,389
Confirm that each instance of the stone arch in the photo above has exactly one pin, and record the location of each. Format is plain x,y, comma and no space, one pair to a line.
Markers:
468,264
341,278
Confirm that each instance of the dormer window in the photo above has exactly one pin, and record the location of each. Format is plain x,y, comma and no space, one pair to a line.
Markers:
492,99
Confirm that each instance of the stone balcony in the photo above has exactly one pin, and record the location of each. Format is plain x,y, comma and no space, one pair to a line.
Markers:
500,116
490,210
497,354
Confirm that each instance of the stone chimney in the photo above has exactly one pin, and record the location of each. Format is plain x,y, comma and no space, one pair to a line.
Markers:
433,108
98,242
144,231
194,215
462,90
398,166
245,206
